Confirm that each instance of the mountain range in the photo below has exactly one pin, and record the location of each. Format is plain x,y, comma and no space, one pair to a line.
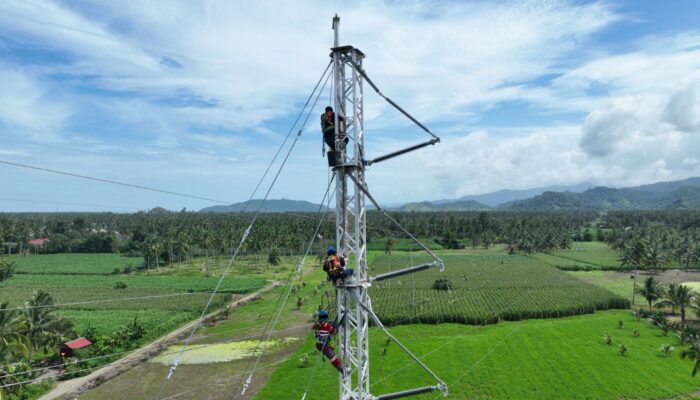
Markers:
681,194
279,205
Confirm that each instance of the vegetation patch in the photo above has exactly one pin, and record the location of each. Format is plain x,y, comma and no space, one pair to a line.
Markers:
222,352
75,263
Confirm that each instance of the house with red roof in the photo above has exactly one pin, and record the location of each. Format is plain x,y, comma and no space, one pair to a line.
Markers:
66,349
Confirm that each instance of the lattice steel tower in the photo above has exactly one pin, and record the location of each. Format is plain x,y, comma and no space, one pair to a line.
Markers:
354,306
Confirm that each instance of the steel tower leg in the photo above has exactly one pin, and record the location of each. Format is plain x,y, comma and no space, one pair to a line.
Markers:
351,221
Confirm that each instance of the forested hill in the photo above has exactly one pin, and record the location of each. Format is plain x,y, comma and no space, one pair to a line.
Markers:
269,206
459,205
664,195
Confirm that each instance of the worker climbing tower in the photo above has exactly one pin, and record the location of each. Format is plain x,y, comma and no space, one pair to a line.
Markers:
354,306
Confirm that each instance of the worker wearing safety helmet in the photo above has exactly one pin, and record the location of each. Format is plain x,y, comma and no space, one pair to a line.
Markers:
334,265
328,128
324,330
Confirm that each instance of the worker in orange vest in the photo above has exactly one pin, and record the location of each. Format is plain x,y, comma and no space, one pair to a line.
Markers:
335,266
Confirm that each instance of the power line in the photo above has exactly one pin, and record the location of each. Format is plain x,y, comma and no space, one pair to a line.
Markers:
141,187
119,362
160,354
173,367
299,268
34,167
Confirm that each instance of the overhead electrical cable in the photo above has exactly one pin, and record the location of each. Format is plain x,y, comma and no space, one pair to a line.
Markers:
244,237
299,268
113,182
193,348
196,197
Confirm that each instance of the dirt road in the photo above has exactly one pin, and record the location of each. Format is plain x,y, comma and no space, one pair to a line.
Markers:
72,388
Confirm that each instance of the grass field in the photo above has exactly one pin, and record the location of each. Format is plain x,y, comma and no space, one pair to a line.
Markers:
400,244
562,358
597,254
178,293
160,303
535,359
222,376
77,263
616,282
486,287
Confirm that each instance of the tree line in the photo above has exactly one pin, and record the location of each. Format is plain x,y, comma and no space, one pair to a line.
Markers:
166,237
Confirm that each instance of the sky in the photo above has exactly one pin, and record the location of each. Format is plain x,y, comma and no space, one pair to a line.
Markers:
196,97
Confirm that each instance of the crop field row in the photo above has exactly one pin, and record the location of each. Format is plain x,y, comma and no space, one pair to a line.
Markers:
91,298
76,263
172,282
485,288
470,306
401,244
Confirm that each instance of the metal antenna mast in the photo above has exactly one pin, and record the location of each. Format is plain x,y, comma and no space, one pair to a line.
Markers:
354,306
351,219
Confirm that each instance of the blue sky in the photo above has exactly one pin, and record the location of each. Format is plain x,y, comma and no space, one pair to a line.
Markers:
196,96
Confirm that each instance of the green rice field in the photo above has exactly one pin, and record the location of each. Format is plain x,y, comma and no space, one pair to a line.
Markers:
485,288
533,359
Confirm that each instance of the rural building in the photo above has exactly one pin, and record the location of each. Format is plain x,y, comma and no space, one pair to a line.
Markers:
39,242
66,349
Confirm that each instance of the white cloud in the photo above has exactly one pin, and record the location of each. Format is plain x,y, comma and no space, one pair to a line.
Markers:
623,122
683,108
255,60
198,87
26,108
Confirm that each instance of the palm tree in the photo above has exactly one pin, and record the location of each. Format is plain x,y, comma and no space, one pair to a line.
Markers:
632,257
12,326
7,268
695,305
656,256
693,353
683,297
651,290
388,246
671,297
273,259
45,330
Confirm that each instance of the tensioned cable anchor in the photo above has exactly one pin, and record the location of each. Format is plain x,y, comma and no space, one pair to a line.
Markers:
422,267
403,151
364,190
442,385
390,101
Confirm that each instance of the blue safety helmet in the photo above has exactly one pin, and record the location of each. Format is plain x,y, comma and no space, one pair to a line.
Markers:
331,250
323,314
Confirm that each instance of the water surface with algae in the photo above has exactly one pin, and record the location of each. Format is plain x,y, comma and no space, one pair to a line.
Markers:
222,352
